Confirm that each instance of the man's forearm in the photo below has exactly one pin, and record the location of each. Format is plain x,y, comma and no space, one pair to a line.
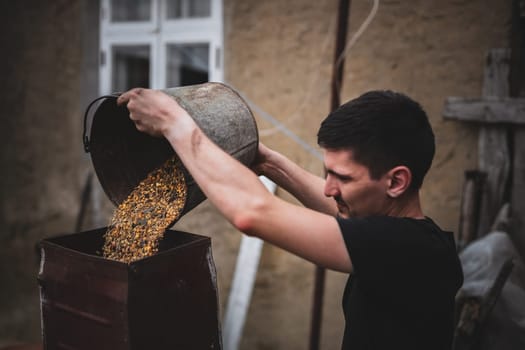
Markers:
303,185
228,184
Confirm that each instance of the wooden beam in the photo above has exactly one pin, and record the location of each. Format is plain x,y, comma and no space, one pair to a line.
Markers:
517,89
494,156
518,193
470,207
490,109
494,111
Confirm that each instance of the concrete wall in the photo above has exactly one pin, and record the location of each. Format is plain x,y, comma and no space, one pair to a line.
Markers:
279,54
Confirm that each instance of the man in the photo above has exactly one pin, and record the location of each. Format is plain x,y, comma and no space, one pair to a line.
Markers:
364,218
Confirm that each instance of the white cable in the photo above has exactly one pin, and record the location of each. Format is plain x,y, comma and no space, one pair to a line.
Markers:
360,31
314,82
357,35
280,126
349,44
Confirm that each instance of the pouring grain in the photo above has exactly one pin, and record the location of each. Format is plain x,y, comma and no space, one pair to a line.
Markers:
141,219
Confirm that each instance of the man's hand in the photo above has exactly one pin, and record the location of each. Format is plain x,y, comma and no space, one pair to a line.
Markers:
260,163
153,111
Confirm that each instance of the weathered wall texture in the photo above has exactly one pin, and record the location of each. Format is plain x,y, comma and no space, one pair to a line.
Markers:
40,162
279,54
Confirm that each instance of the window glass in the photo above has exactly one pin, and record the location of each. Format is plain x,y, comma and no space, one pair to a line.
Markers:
159,43
130,67
187,64
130,10
176,9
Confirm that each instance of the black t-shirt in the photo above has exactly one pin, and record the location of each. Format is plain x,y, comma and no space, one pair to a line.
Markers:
406,273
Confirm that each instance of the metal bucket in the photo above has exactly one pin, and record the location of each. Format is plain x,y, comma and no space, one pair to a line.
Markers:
123,156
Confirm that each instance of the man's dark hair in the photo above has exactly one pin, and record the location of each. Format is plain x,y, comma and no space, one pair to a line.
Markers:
383,129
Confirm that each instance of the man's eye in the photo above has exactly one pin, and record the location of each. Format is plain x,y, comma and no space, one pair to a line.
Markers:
338,177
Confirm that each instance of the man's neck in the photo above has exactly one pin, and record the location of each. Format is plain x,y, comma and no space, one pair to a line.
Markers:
408,206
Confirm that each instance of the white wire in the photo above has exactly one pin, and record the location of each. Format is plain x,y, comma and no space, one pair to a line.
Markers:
314,82
357,35
359,32
280,126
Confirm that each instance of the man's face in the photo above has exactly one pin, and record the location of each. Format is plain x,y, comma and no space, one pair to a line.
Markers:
349,183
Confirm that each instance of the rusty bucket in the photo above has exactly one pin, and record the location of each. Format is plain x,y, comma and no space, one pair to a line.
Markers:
123,156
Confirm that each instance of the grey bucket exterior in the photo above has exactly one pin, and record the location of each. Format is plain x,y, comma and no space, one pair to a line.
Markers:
123,156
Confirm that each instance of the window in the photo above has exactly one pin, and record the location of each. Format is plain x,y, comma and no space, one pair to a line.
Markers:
187,8
159,43
187,64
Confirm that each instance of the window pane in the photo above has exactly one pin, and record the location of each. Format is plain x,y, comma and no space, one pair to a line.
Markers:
130,67
130,10
187,8
187,64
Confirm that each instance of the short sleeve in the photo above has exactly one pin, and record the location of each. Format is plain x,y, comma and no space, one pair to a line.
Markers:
385,252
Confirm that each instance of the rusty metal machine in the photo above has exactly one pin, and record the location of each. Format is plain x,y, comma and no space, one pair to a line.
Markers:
166,301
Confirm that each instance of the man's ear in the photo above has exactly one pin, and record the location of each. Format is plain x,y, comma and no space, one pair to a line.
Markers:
400,178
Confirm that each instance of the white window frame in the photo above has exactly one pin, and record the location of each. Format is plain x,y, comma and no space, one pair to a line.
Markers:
158,33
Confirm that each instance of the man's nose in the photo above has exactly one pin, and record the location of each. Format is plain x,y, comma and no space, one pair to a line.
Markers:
331,189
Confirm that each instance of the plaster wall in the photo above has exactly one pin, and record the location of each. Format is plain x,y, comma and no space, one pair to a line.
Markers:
40,163
279,55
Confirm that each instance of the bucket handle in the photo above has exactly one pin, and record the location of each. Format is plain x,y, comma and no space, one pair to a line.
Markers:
85,137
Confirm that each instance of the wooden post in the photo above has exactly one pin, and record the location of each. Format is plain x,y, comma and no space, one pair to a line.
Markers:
493,149
518,193
517,88
496,112
470,207
503,124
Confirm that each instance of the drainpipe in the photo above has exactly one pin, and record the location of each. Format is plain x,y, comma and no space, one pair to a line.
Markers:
337,83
